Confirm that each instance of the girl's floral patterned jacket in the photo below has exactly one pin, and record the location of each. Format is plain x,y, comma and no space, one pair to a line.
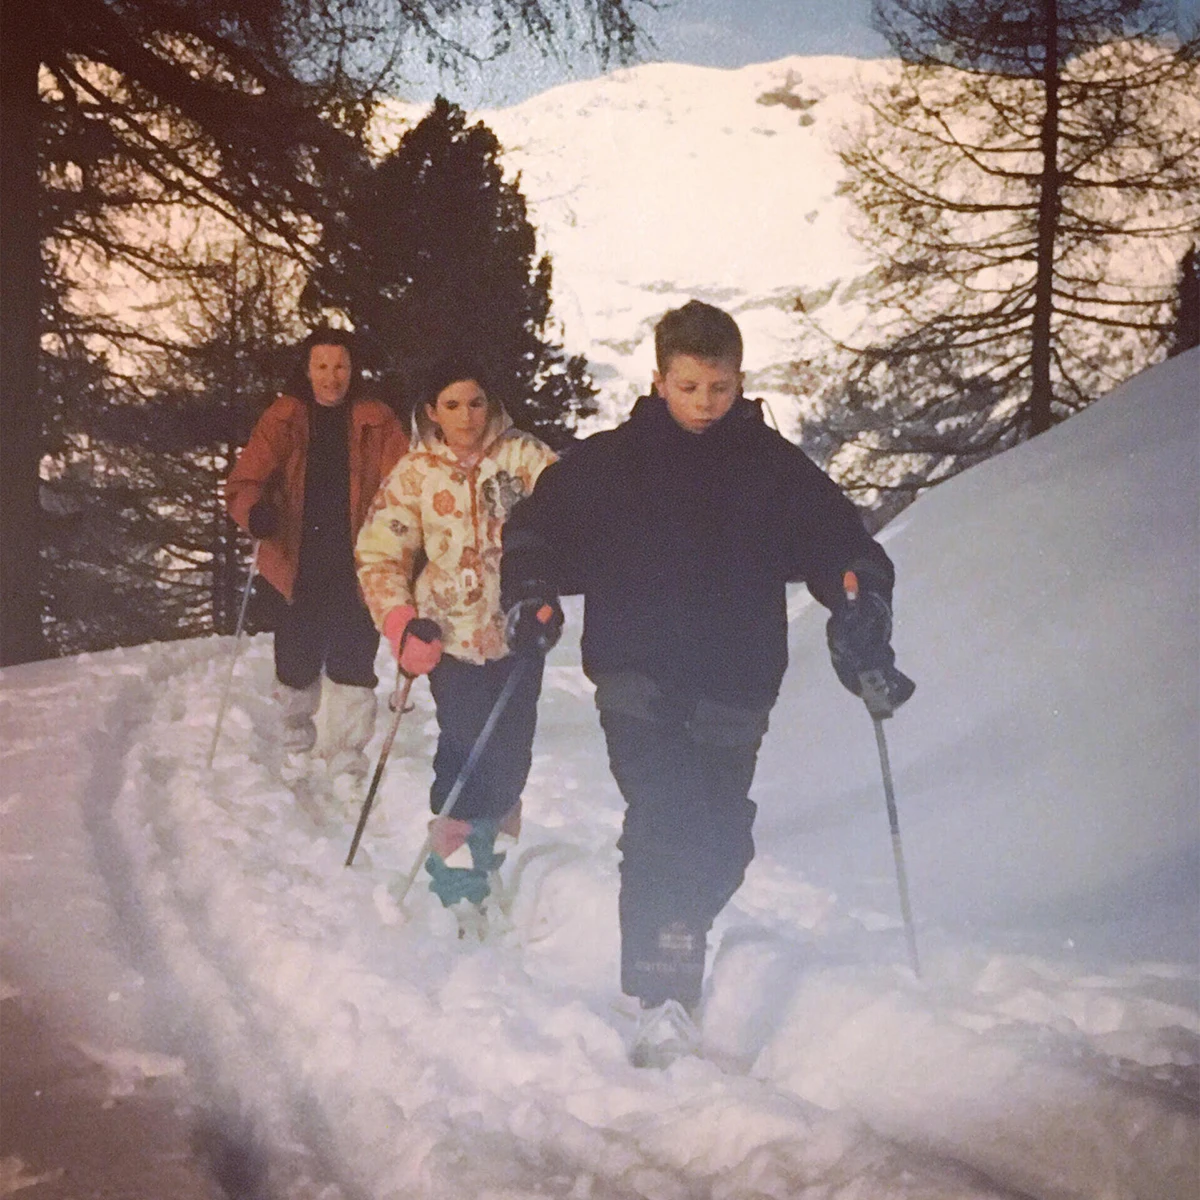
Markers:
432,537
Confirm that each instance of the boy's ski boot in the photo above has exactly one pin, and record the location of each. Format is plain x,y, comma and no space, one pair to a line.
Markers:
665,1032
667,976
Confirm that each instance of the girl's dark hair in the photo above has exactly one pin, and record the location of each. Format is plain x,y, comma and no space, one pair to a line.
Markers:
700,330
440,375
451,369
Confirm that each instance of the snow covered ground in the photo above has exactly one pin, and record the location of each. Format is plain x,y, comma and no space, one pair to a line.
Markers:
199,925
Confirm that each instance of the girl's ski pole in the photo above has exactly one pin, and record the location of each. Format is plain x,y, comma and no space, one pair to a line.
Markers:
398,705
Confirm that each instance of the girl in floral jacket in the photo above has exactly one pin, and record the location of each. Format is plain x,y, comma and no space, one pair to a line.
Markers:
430,546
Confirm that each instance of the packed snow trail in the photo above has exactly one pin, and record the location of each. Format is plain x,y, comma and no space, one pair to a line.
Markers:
424,1067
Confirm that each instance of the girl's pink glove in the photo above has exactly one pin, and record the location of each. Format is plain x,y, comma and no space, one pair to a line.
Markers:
416,641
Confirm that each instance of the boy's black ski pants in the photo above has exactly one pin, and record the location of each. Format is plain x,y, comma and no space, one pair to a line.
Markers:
684,765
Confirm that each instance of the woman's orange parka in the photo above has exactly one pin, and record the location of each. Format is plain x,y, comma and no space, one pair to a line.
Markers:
272,467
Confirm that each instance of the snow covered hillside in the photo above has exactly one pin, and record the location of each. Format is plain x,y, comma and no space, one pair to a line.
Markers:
666,181
1046,774
663,182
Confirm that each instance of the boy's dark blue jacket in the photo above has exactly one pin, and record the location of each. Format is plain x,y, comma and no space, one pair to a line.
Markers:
682,543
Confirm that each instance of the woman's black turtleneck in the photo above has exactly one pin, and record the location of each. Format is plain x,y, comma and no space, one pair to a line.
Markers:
326,552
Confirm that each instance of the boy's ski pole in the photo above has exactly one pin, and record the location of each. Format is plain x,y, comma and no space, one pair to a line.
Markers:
881,703
399,705
489,726
237,641
897,848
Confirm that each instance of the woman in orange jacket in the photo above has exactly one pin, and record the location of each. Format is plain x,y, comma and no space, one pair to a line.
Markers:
302,486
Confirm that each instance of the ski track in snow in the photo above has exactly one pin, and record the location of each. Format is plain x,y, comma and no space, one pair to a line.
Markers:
360,1044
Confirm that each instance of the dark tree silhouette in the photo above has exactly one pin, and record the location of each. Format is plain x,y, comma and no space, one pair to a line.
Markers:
137,545
1186,332
1025,180
116,112
435,254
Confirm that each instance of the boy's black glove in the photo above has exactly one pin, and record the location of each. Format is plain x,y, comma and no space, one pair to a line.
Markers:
534,624
263,521
884,690
859,634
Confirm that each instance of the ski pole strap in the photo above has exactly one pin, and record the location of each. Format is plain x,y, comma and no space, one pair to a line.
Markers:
883,692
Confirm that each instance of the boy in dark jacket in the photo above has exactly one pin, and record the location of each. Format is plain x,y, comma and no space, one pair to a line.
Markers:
681,529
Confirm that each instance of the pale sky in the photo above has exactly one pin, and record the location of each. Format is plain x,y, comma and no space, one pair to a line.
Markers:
717,33
732,33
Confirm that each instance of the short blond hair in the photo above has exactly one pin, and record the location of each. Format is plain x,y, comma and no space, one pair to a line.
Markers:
698,329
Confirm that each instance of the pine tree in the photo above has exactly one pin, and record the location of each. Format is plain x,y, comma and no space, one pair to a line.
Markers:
436,255
138,546
1025,179
117,116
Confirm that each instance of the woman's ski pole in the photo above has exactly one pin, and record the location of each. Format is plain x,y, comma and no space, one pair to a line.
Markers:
237,642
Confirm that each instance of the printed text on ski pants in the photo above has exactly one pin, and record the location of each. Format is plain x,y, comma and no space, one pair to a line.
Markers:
684,766
464,694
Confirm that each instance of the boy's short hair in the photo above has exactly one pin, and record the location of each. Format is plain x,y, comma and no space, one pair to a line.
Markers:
698,329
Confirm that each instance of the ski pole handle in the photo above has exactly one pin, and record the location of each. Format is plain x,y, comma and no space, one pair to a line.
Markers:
882,689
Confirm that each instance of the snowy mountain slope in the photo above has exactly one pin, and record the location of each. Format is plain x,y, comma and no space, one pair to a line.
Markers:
647,187
655,184
1064,604
666,181
358,1051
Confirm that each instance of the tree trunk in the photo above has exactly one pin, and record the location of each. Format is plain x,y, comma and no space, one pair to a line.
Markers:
1187,312
1041,391
21,635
